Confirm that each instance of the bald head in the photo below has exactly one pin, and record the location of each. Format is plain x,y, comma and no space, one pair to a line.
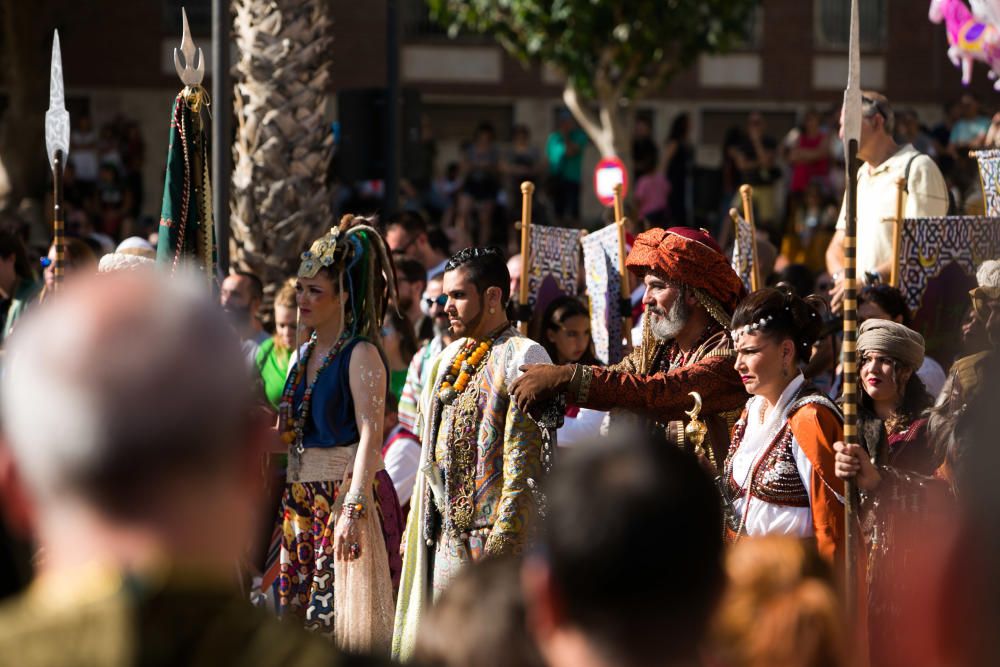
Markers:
122,382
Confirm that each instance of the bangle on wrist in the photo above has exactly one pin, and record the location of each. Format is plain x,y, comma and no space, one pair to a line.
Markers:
354,505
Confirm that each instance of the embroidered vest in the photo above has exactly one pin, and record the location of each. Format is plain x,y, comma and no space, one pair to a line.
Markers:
774,477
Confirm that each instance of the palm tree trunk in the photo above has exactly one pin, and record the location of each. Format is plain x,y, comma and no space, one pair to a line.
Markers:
283,142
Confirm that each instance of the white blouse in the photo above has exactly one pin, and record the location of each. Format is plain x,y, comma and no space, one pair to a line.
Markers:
762,517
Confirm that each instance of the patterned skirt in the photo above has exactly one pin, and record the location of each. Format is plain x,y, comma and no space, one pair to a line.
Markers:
301,570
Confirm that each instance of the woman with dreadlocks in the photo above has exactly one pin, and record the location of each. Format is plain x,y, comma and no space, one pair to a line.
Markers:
335,555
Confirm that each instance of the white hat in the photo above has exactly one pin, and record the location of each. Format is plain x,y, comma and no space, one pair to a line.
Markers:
132,253
988,273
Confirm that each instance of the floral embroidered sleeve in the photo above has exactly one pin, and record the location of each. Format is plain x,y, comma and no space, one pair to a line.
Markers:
522,447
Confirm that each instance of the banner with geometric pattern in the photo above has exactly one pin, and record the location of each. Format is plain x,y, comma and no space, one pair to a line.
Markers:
937,268
554,265
743,251
989,178
601,262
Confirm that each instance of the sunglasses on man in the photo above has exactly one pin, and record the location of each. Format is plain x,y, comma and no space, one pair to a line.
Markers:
440,300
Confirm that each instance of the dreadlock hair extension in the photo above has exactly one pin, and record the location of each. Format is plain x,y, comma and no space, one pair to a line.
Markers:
360,262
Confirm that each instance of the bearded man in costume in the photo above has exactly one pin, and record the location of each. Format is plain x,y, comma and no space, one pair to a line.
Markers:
481,454
691,293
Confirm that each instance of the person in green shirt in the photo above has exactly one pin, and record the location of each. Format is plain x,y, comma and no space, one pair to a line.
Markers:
399,344
564,151
19,285
274,353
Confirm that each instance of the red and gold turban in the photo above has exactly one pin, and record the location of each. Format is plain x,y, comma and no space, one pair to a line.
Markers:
690,257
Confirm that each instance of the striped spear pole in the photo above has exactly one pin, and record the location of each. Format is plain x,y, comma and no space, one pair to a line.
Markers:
852,137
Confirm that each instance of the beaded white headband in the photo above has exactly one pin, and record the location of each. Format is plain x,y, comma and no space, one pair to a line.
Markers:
752,327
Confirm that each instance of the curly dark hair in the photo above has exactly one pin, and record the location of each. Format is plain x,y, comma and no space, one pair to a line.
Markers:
486,267
785,315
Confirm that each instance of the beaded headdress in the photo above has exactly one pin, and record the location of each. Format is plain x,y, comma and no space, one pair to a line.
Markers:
751,328
356,256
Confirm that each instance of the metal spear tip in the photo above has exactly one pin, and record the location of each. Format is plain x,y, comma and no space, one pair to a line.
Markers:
852,94
190,74
56,118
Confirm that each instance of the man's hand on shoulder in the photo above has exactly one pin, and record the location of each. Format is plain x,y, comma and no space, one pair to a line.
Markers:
538,382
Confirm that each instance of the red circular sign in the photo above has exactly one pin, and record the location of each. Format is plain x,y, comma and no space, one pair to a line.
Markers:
608,173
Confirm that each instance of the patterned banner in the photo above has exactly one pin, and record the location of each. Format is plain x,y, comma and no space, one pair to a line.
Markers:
938,259
601,262
554,265
743,251
989,178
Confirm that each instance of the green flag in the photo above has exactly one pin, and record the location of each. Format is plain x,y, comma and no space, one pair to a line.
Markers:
187,233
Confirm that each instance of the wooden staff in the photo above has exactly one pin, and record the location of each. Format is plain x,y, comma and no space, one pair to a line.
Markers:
897,230
626,293
527,189
746,194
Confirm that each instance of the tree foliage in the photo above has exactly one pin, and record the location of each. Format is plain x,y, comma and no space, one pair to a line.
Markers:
609,50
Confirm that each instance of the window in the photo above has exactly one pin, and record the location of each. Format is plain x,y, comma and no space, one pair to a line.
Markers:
832,20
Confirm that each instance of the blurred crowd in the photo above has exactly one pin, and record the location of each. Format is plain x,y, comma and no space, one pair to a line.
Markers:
629,567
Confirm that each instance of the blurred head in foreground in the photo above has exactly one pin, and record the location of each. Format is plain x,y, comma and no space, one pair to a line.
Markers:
779,609
479,621
611,583
126,413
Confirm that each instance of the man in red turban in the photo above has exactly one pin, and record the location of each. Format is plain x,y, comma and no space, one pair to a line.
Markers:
691,293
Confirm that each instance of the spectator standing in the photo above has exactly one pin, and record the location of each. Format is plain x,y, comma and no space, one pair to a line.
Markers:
407,234
566,337
885,162
679,155
564,152
809,156
645,153
481,166
755,159
969,131
652,192
401,453
399,345
19,284
523,163
79,260
84,155
434,301
241,296
411,281
274,353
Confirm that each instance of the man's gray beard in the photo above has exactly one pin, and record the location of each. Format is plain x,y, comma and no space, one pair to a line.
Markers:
666,327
